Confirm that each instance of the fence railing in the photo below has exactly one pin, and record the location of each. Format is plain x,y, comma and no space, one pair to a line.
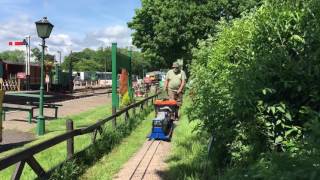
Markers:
27,155
10,85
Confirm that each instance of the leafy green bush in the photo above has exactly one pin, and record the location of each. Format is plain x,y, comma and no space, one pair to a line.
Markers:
255,84
275,166
125,100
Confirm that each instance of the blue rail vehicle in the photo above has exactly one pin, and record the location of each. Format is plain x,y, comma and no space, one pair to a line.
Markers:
162,124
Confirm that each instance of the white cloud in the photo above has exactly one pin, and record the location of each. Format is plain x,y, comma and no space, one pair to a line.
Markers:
17,28
108,35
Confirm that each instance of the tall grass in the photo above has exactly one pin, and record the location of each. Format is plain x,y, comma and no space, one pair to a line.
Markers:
111,163
188,159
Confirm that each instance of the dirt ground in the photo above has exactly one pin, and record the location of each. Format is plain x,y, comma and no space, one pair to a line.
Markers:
16,129
148,163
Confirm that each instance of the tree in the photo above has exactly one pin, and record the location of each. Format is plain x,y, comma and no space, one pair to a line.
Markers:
168,30
100,60
14,56
36,53
89,60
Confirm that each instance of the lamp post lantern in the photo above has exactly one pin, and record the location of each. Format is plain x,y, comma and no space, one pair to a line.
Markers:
44,28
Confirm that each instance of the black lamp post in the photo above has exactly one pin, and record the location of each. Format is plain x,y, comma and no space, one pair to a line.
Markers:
44,28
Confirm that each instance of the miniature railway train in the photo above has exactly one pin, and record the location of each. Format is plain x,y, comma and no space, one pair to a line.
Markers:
162,125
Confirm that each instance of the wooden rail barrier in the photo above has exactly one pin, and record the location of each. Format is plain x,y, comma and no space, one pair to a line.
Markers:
27,155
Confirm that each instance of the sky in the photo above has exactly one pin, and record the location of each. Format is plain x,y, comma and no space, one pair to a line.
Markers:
78,24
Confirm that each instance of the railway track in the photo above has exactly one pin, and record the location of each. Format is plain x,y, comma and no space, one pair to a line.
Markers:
143,165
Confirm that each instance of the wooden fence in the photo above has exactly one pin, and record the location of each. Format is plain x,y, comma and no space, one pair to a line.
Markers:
27,155
10,85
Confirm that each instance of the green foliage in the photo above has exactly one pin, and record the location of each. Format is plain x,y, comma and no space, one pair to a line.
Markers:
168,30
188,158
36,53
100,60
125,100
111,163
255,84
274,166
14,56
110,138
69,170
89,60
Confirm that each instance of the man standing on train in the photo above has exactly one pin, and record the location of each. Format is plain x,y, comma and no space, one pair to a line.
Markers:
175,83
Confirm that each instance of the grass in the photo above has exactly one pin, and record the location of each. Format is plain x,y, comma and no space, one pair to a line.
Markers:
57,154
188,159
58,126
96,160
83,165
86,159
111,163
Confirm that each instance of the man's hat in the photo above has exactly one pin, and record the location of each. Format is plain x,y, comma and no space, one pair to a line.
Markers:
175,65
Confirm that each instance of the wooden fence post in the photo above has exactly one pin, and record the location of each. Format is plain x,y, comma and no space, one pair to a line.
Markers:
134,110
70,142
126,116
114,120
141,106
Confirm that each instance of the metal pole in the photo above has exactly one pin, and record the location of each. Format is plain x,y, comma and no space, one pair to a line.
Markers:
105,67
70,73
41,121
115,100
130,76
28,63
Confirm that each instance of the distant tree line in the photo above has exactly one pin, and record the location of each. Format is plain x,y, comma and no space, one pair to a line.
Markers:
100,60
20,56
85,60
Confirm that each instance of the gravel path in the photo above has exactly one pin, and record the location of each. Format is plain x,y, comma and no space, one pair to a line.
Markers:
148,163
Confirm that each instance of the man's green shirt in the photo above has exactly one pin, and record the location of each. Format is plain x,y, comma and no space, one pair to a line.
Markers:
175,79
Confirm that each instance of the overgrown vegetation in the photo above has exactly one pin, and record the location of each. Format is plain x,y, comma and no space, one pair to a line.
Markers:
87,158
110,164
254,88
189,156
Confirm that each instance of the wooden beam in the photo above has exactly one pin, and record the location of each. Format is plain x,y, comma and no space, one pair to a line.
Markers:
70,141
35,166
18,171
